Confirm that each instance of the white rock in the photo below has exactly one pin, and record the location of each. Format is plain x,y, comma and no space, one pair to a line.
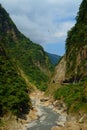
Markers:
62,124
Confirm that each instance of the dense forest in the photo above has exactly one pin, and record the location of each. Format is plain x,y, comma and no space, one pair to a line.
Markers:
23,64
13,91
28,56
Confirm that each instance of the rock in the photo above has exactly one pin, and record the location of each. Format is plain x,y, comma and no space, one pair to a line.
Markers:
56,128
44,99
62,118
57,110
81,120
57,104
61,124
84,126
50,106
33,114
73,126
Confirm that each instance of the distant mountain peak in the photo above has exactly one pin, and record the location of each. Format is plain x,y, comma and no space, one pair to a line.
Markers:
54,58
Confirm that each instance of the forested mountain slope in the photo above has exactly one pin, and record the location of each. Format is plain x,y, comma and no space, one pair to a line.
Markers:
73,89
76,47
54,58
13,90
26,55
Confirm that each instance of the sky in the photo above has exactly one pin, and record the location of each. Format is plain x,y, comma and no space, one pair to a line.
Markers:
45,22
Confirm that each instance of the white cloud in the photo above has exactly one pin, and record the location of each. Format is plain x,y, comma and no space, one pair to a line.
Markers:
43,21
60,34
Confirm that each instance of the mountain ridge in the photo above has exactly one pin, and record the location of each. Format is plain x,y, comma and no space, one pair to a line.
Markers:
54,58
28,56
76,48
72,89
24,66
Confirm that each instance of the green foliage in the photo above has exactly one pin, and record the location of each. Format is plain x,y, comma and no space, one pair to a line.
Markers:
75,93
13,91
54,58
76,45
82,14
28,56
17,51
74,96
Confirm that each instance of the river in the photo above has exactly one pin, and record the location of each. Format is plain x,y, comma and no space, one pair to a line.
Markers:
47,120
47,117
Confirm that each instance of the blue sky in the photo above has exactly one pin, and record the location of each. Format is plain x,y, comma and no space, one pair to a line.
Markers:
44,22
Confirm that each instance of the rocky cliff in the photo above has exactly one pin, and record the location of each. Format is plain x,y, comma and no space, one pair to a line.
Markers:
73,91
76,47
59,75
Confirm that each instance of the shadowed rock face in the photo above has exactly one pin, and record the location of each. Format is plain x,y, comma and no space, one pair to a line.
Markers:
59,75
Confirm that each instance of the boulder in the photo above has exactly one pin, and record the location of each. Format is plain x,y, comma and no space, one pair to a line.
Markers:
44,99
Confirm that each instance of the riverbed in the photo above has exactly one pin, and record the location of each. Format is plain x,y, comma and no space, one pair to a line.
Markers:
47,118
53,115
46,121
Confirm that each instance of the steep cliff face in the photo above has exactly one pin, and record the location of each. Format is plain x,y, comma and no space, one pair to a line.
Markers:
26,55
74,92
76,47
59,75
75,68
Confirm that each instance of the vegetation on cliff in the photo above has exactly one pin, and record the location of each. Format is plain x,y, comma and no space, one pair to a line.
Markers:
19,55
74,95
13,90
76,47
73,91
54,58
26,55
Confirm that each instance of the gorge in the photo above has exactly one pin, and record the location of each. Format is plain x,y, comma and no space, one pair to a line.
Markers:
34,93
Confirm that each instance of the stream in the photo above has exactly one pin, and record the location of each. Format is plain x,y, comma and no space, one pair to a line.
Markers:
46,120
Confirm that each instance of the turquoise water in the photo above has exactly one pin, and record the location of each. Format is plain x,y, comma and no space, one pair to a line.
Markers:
46,121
